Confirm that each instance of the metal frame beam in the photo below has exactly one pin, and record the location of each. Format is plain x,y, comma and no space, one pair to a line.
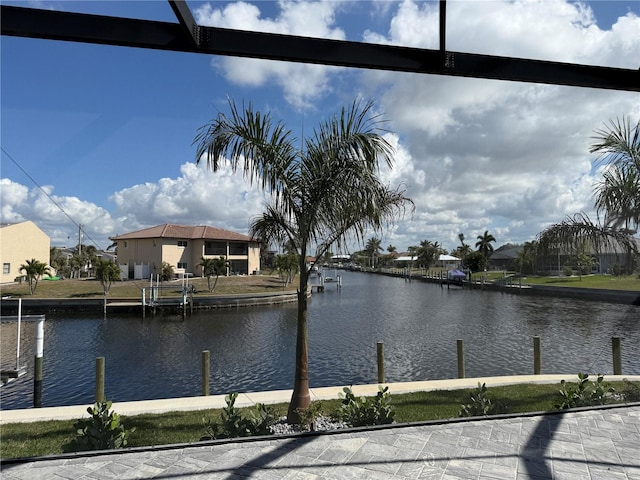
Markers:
97,29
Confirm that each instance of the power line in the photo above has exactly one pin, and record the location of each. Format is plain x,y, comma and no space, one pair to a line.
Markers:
48,196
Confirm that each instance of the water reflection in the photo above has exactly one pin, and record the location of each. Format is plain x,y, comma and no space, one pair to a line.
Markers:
253,349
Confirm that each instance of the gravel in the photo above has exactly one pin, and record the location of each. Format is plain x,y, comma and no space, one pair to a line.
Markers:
321,423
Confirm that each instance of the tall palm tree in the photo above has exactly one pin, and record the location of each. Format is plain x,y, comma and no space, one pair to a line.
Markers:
321,194
107,272
34,269
373,247
484,243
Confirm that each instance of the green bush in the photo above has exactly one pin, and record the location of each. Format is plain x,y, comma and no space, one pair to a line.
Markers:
233,424
103,431
480,404
358,412
584,393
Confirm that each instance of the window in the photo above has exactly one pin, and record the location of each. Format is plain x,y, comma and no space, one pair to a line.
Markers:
182,243
6,268
237,249
126,244
182,265
215,248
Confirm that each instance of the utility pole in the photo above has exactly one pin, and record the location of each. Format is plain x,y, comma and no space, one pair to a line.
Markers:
79,239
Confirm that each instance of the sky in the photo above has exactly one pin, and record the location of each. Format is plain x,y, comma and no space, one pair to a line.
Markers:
102,136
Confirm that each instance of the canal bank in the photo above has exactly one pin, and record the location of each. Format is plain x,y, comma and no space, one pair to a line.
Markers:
248,399
38,306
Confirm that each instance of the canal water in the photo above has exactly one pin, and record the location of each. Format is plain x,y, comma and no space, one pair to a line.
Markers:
252,349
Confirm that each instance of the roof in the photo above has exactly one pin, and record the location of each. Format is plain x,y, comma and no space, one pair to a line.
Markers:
169,230
448,258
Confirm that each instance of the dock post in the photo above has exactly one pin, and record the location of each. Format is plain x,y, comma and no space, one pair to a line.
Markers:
380,355
205,370
537,356
99,379
143,303
460,348
617,355
37,364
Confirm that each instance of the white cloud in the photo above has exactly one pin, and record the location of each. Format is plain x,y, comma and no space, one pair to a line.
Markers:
302,84
57,216
197,197
504,156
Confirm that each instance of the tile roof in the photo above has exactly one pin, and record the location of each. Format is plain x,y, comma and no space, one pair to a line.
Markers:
169,230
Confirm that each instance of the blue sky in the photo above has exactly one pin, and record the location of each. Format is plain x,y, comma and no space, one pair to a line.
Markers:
108,131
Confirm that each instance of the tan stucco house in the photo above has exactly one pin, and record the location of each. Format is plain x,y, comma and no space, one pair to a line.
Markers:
141,253
20,242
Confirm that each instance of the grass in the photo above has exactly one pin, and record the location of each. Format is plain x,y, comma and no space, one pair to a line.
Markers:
46,438
90,288
607,282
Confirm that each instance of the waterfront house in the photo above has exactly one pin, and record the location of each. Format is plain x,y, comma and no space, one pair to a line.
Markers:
20,242
142,253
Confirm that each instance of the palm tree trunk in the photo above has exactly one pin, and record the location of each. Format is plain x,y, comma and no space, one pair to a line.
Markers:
301,397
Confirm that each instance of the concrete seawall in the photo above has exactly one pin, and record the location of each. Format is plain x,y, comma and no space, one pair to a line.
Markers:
35,306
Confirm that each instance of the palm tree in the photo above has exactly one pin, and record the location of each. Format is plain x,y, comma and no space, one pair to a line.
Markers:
107,272
321,194
617,196
211,267
34,269
484,243
373,246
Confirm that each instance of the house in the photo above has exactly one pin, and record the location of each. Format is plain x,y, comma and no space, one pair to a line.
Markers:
20,242
142,253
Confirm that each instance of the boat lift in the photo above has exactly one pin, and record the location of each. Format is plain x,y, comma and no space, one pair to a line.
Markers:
10,374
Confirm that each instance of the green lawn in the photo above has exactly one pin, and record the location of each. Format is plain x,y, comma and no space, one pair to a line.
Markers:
608,282
46,438
133,288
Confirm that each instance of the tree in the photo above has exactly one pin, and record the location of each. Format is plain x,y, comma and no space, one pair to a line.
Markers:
166,272
34,269
476,262
525,261
58,261
321,194
391,249
484,244
427,253
617,196
373,246
107,272
287,266
211,267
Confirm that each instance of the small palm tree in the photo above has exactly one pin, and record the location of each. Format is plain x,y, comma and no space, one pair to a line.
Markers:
107,272
34,269
321,194
211,267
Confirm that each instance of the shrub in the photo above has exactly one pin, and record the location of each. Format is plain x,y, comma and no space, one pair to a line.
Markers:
234,424
358,412
630,391
103,431
584,393
481,404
